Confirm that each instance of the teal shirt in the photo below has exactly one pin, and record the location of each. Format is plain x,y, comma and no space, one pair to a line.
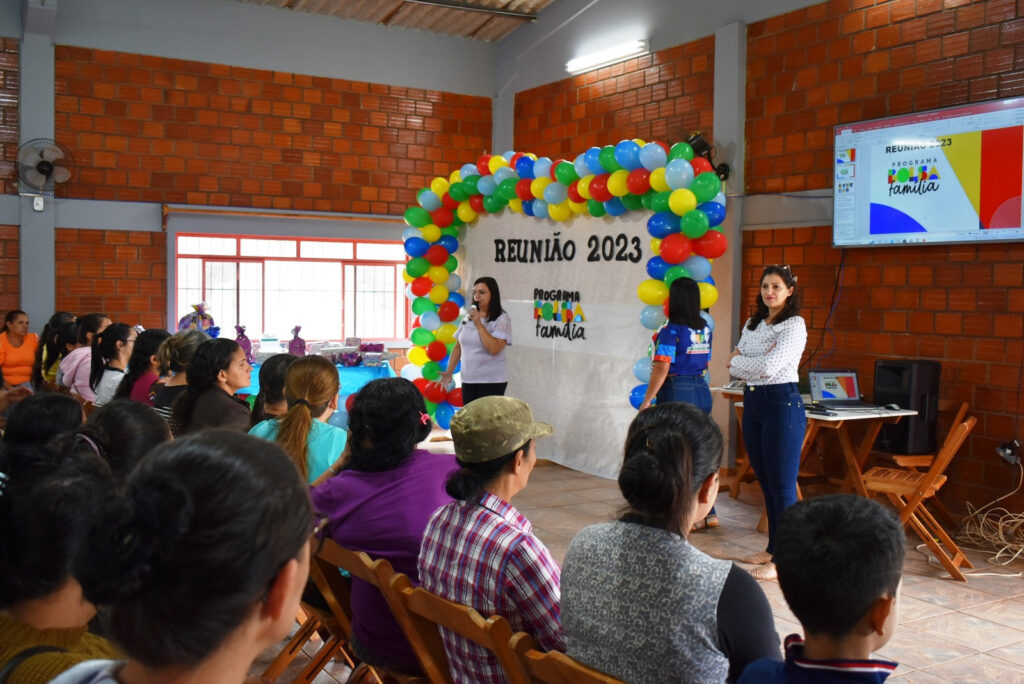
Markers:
325,444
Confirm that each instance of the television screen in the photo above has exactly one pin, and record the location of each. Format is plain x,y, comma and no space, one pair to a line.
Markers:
950,175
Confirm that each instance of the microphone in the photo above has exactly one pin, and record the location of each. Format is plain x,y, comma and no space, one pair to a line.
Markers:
473,306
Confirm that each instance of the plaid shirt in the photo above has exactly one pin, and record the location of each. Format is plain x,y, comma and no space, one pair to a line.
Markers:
483,554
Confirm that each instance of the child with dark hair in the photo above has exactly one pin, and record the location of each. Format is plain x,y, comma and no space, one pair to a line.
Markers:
49,351
111,350
75,368
270,401
175,356
143,367
199,577
217,371
840,562
41,417
47,505
380,503
67,342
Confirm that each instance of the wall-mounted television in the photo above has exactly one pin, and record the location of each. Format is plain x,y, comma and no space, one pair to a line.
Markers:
942,176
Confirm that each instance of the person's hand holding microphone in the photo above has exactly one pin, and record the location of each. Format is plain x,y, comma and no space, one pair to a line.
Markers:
472,316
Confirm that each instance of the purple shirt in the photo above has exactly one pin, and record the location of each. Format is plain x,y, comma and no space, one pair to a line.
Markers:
384,514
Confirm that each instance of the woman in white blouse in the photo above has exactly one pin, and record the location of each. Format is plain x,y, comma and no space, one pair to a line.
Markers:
767,358
480,343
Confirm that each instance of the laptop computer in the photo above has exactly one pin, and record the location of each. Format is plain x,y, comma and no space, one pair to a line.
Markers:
836,389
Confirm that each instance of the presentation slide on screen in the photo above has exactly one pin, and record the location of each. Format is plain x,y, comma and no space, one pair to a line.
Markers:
947,176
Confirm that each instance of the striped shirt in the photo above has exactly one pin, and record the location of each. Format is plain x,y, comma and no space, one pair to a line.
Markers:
483,554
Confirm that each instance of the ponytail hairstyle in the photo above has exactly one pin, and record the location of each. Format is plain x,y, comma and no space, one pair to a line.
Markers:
88,326
210,359
147,344
104,349
47,505
41,417
49,347
67,336
684,304
179,548
789,309
671,449
387,420
309,386
494,308
471,479
176,351
272,372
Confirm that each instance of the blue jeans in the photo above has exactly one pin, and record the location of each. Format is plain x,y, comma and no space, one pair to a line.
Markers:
690,389
774,424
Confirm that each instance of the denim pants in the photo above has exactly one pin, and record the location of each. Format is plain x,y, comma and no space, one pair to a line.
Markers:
686,388
774,424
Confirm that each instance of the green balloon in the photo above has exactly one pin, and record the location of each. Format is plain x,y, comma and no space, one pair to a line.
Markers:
458,192
607,159
422,305
596,208
507,188
417,266
452,263
469,185
676,271
632,202
565,173
421,337
452,231
456,222
431,406
694,223
705,186
417,216
431,370
647,198
494,203
659,202
681,150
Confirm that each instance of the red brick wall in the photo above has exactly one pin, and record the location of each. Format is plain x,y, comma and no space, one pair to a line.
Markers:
164,130
10,288
665,96
9,101
120,273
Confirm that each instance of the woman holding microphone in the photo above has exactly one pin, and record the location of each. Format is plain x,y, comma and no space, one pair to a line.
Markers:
480,343
767,358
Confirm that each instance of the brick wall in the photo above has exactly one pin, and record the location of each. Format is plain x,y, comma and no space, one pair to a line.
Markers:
9,100
10,288
662,96
120,273
164,130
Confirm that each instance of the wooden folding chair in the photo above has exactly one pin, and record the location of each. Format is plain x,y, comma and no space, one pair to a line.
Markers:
908,490
553,667
493,633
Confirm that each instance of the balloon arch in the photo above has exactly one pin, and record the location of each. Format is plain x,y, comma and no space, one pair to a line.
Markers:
681,189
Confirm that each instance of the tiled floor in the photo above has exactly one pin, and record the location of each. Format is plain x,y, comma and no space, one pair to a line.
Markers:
948,632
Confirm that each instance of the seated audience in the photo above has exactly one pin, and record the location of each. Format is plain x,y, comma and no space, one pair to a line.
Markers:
638,600
41,417
479,550
270,401
47,504
111,350
49,350
199,577
143,367
217,371
176,354
380,503
840,561
17,350
10,397
67,342
75,368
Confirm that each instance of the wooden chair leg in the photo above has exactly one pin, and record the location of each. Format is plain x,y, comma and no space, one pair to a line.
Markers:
956,556
319,661
291,649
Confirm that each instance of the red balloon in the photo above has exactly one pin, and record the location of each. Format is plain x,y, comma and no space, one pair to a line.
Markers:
442,217
455,397
450,202
639,181
435,393
710,245
515,157
574,194
664,307
477,202
421,384
351,399
523,190
700,165
416,322
448,311
481,165
421,286
437,255
599,188
676,248
436,350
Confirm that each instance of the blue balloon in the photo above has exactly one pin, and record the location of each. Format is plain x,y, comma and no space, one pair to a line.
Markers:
593,159
542,168
698,266
486,185
580,164
503,174
507,155
663,224
443,415
430,320
615,207
457,298
528,207
555,193
652,317
524,167
636,395
416,246
411,232
653,156
656,267
715,212
468,170
719,198
678,174
642,369
708,319
627,154
448,242
709,280
540,208
429,201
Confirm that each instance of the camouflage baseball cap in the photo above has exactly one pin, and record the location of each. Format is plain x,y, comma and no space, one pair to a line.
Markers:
492,427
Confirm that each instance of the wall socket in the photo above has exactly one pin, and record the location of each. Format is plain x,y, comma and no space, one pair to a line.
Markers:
1009,451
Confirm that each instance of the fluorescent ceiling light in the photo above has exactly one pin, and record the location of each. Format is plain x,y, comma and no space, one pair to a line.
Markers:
611,55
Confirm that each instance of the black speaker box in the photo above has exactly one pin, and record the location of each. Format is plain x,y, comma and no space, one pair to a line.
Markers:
911,384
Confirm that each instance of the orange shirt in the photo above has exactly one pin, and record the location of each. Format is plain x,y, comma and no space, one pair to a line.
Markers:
16,362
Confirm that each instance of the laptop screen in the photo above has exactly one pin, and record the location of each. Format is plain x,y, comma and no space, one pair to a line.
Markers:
831,385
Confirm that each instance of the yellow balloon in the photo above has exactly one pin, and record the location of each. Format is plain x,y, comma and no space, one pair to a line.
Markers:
516,205
455,177
431,233
639,142
446,333
439,186
682,201
658,181
417,356
406,277
496,162
537,187
652,292
617,183
583,186
438,294
656,245
465,212
560,211
577,208
438,275
708,295
532,156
